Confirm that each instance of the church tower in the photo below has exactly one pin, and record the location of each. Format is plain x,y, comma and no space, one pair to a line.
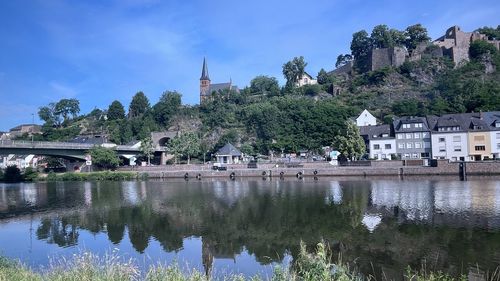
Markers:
204,82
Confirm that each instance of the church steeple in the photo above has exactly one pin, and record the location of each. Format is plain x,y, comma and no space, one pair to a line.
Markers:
204,71
204,82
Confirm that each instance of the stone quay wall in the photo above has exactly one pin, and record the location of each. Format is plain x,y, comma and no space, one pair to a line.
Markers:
317,169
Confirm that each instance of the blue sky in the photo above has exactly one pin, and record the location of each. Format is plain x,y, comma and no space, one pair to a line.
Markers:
100,51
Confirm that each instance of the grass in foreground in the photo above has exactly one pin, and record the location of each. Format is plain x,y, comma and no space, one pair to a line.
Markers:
308,267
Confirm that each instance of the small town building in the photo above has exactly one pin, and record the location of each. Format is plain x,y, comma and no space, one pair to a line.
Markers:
25,129
493,121
449,136
413,139
306,79
207,88
380,141
228,154
366,119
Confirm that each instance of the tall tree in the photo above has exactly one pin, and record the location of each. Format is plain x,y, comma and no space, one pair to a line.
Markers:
360,44
166,107
415,34
139,105
47,114
116,111
381,37
350,143
187,144
343,60
264,85
66,107
294,70
147,148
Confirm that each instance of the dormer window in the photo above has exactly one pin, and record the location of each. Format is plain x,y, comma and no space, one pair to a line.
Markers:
497,124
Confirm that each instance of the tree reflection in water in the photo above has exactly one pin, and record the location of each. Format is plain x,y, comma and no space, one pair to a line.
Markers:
415,220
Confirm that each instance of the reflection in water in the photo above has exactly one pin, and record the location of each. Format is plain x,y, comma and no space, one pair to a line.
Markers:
383,225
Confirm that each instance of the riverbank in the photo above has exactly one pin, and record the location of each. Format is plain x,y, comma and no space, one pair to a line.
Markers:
308,266
322,169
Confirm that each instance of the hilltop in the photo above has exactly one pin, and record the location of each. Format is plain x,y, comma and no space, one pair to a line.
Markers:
266,117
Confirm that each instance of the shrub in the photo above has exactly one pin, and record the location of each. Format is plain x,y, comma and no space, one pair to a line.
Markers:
30,174
12,174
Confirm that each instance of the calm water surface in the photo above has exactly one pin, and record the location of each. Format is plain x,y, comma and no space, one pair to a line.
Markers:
248,226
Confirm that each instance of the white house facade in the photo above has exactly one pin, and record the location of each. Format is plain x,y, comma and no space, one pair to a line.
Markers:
366,119
382,149
306,79
450,145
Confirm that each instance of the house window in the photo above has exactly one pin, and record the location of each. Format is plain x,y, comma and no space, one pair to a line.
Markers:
425,135
406,126
409,145
414,155
400,136
457,148
387,146
442,149
376,146
497,124
418,125
457,138
480,148
498,136
416,135
408,136
418,145
385,135
498,145
441,139
407,155
401,145
424,155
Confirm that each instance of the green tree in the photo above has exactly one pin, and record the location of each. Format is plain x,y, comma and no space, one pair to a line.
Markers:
342,60
67,107
492,33
147,149
264,85
187,144
294,70
12,174
139,105
167,107
361,44
381,37
116,111
47,114
350,143
415,34
105,158
479,48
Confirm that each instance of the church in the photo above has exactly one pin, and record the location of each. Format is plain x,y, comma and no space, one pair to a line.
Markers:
207,88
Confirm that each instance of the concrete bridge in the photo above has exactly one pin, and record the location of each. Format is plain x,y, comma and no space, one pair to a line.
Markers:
68,150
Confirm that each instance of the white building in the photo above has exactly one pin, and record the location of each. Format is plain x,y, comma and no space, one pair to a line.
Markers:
382,148
306,79
366,119
450,145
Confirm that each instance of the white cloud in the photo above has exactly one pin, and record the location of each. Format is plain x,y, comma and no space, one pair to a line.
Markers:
62,91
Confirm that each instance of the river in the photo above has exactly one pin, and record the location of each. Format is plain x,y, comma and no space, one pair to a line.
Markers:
379,226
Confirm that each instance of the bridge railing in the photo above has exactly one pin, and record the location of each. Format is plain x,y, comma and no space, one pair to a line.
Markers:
61,145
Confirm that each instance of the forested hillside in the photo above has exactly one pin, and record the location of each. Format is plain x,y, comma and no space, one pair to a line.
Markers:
266,116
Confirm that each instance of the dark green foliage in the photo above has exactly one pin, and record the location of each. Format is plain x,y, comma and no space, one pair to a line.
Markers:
492,33
479,48
376,77
139,105
415,34
264,85
166,108
105,158
116,111
342,60
294,69
67,107
12,174
94,176
30,174
409,107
